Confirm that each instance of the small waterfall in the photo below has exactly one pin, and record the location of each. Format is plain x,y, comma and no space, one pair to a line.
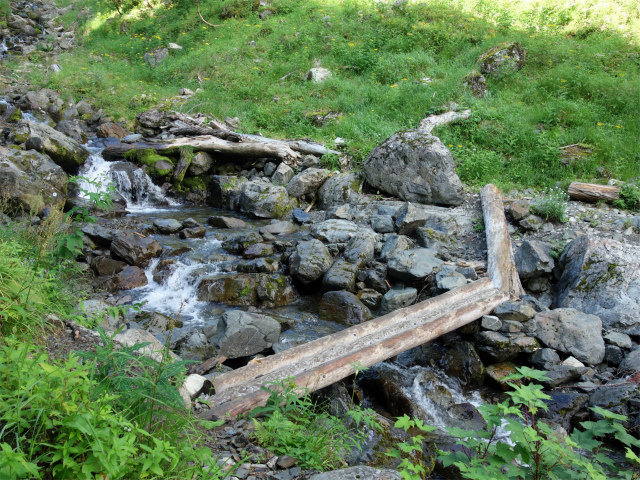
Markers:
129,181
4,50
178,289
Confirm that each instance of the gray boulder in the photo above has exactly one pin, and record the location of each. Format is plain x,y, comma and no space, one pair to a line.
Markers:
225,191
200,164
64,151
72,130
398,298
617,397
310,261
570,331
335,231
241,334
340,189
135,250
408,218
341,276
307,182
393,244
533,259
415,264
448,280
631,362
516,310
602,277
416,167
263,200
226,222
343,307
167,225
282,175
503,59
370,298
494,347
280,227
382,223
154,349
360,250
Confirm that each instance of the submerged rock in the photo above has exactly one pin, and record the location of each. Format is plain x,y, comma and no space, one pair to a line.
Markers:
343,307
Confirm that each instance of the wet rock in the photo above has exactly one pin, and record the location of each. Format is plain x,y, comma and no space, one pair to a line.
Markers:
412,265
111,130
449,280
310,261
282,175
570,331
301,216
394,244
501,60
360,250
168,225
376,278
258,250
370,298
343,307
64,151
613,355
278,228
493,347
241,334
594,269
466,417
533,259
307,182
228,289
544,358
617,398
263,200
341,276
240,243
498,371
135,250
335,231
389,387
201,163
461,361
269,169
619,340
226,222
416,167
194,232
562,374
99,234
408,218
514,310
489,322
382,223
130,277
108,266
225,191
259,265
275,290
340,189
395,299
562,407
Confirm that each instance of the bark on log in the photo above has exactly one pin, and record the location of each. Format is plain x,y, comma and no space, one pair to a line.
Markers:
501,266
306,148
428,124
195,131
592,193
336,363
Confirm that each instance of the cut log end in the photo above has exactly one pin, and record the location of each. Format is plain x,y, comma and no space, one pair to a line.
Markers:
593,193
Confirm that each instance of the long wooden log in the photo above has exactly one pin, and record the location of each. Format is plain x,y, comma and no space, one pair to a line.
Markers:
301,146
501,266
335,366
433,121
592,193
399,319
191,131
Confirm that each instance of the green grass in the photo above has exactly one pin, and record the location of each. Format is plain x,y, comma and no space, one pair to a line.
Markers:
580,83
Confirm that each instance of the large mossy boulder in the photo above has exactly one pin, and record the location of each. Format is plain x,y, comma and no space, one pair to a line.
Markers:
225,190
263,200
503,59
135,250
340,189
247,289
343,307
64,151
416,167
310,261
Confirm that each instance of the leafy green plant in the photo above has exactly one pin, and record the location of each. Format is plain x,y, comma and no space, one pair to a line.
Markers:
532,450
629,197
478,225
294,425
413,464
52,425
330,161
557,247
551,205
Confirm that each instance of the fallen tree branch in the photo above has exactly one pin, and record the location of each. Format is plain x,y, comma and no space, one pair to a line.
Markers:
214,132
428,124
202,18
593,193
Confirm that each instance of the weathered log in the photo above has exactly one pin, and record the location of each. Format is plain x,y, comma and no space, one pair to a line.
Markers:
592,193
204,367
432,121
329,359
301,146
501,266
214,132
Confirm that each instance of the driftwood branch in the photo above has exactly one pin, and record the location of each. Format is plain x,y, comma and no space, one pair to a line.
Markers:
592,193
428,124
214,132
202,18
306,148
501,266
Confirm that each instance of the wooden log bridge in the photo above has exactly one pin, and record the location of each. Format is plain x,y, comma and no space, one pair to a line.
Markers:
329,359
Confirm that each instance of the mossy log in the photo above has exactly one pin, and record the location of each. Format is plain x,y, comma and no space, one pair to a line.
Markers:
592,193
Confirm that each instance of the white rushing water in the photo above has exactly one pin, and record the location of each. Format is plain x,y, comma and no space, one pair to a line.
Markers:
177,292
133,184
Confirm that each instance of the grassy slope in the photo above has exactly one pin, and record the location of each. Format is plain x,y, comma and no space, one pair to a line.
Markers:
581,82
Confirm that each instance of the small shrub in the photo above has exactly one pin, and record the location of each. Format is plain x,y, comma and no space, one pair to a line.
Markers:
294,425
629,197
551,205
330,161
